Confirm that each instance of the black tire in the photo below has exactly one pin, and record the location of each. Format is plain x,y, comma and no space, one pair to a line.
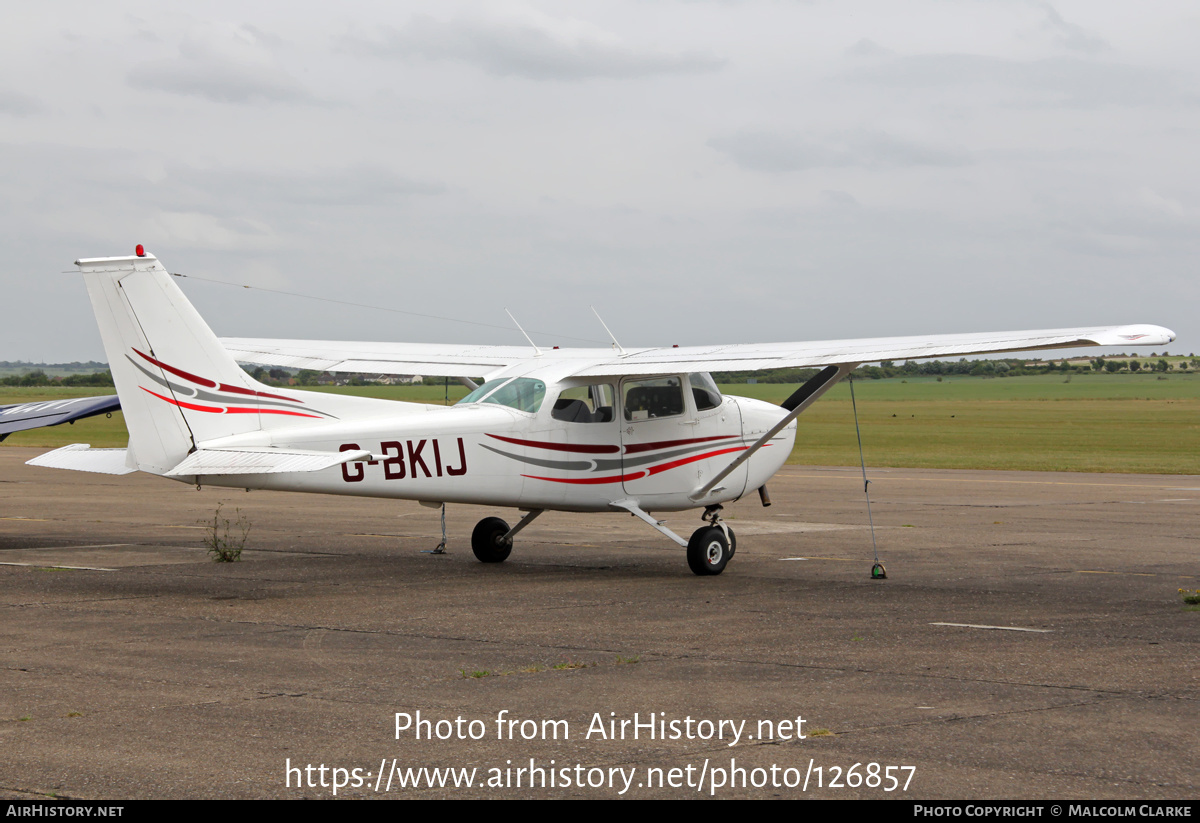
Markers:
486,540
708,551
732,543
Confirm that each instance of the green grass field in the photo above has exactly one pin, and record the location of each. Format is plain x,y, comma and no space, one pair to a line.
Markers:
1093,423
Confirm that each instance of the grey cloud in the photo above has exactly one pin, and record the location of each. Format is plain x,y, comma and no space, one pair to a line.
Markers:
222,189
195,207
1071,36
132,175
263,36
783,152
18,104
223,70
868,48
1067,81
526,49
839,198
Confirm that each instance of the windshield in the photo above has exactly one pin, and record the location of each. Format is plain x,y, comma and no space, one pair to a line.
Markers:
704,391
523,394
481,392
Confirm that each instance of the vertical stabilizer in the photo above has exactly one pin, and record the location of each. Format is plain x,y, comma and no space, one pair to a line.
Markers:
178,386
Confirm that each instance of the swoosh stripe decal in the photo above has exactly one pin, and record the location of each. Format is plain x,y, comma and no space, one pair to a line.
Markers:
239,390
210,384
683,461
638,475
560,465
665,444
258,410
181,404
589,481
559,447
229,410
200,381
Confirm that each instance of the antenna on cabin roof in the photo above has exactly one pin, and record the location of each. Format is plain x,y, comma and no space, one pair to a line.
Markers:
536,351
616,345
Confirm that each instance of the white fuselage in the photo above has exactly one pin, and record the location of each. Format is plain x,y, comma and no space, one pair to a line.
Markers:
494,455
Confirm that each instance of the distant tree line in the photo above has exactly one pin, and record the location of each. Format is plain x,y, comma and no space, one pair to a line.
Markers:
40,378
276,377
73,366
1007,367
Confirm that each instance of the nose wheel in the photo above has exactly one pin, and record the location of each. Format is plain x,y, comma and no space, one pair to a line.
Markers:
708,551
711,547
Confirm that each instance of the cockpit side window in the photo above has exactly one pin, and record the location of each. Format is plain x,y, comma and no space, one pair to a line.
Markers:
653,398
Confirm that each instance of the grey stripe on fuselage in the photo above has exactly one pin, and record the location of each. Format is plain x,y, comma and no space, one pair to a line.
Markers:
200,394
565,465
613,463
604,464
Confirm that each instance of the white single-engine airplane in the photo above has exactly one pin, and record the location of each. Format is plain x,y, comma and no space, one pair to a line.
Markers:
583,430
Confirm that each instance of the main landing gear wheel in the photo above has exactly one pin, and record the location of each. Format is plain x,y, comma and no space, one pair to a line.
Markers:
488,543
708,551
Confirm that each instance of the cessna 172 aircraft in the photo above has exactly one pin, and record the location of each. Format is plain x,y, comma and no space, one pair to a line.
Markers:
584,430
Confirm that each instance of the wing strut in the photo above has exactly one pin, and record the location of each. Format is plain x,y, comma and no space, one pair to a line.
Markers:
633,508
804,397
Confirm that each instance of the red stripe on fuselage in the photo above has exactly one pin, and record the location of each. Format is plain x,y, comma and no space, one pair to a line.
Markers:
237,410
201,381
588,481
181,404
558,447
683,461
209,384
229,410
237,390
666,444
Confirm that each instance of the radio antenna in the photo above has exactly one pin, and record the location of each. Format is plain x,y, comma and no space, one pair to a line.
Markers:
616,345
536,351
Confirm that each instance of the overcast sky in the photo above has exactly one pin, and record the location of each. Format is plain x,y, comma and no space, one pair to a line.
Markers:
700,172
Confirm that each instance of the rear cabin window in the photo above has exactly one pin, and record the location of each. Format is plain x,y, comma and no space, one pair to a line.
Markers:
654,398
585,404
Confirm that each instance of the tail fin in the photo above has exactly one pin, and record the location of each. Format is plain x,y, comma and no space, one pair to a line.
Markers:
178,386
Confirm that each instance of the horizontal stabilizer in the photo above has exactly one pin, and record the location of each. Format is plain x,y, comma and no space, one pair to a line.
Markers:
81,457
261,461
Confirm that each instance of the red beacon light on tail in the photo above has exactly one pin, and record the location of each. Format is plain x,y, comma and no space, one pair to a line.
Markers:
140,250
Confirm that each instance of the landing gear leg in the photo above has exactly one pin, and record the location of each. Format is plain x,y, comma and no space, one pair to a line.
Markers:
713,515
710,548
441,547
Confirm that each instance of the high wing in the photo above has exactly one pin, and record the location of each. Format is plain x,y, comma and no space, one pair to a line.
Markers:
22,416
433,359
492,361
